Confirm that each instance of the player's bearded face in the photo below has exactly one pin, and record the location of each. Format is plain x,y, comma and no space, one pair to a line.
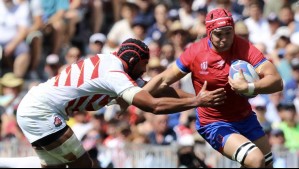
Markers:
222,38
139,69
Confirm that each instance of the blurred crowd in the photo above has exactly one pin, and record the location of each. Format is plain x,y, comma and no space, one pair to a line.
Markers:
39,38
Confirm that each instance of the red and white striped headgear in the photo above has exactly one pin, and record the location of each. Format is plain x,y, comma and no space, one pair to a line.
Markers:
218,18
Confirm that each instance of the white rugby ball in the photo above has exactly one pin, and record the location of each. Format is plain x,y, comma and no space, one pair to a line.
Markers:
248,70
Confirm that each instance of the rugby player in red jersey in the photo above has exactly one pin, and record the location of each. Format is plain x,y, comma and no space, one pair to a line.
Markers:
230,128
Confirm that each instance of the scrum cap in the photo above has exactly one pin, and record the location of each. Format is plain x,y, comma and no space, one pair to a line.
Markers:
218,18
132,51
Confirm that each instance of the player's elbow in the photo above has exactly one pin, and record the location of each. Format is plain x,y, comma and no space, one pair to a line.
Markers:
155,107
280,85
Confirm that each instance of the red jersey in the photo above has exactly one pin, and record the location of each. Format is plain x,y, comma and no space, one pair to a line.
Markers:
213,67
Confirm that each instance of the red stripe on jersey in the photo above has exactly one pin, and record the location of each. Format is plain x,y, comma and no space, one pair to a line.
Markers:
104,101
80,102
89,106
134,83
70,104
57,80
81,77
96,62
68,79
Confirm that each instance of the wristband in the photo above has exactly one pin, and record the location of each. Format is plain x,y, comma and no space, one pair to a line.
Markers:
251,88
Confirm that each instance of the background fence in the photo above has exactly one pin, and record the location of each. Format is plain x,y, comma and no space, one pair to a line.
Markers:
150,156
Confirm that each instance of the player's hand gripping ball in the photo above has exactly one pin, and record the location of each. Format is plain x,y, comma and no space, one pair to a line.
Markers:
248,71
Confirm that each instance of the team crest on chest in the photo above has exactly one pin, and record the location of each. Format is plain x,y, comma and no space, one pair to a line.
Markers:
57,121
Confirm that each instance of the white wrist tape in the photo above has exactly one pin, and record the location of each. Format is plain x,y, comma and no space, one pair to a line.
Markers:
128,94
251,88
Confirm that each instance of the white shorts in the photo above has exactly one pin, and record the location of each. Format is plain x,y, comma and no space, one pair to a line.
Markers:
37,120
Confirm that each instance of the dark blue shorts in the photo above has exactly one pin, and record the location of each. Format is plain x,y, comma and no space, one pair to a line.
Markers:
216,134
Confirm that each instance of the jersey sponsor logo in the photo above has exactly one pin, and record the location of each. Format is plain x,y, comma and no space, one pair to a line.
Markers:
204,68
220,64
57,121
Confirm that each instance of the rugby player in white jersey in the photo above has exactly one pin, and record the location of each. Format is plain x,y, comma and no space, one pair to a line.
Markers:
89,85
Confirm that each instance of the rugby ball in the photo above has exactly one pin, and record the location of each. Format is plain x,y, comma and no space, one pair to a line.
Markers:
248,70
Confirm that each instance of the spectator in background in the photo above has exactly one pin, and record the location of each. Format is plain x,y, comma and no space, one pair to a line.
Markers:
122,29
242,30
158,31
12,94
72,56
228,5
117,5
198,30
72,16
291,86
259,106
277,142
286,16
161,135
272,113
187,16
153,68
167,54
283,62
54,26
139,28
289,125
275,6
52,66
274,25
178,36
96,44
81,124
146,12
35,37
12,88
257,25
14,25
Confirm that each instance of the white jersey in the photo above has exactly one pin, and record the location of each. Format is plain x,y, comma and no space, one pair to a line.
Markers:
86,85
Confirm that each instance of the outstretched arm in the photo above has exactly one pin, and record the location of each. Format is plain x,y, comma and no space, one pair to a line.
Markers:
172,92
174,100
166,105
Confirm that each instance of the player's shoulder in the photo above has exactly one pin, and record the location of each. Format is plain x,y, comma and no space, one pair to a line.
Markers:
200,43
198,46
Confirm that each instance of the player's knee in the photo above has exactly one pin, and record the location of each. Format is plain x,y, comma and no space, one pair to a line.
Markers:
255,159
249,155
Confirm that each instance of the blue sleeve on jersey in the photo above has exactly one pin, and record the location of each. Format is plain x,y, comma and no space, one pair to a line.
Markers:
261,62
181,66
